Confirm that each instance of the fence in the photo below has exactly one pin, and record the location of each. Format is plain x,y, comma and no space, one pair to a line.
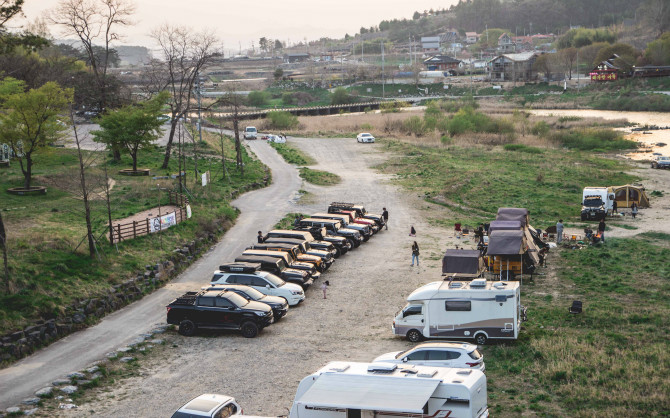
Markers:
147,226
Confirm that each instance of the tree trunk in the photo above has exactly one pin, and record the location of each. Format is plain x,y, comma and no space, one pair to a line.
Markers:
116,154
238,145
168,147
3,245
109,209
134,155
84,191
28,173
223,161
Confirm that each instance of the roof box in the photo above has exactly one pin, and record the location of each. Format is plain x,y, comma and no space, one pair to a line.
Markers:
240,267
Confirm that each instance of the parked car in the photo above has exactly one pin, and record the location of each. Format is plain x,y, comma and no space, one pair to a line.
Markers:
278,266
661,162
250,132
164,118
442,354
209,405
218,310
249,274
365,137
279,305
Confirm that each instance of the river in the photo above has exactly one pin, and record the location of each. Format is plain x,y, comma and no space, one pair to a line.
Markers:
649,140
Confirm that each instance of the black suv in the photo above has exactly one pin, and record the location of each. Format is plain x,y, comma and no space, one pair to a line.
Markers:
334,228
218,310
279,305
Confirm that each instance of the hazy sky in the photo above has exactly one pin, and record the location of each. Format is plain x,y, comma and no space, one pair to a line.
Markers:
244,21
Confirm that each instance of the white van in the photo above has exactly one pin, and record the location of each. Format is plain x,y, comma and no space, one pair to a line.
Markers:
250,132
368,390
478,309
597,203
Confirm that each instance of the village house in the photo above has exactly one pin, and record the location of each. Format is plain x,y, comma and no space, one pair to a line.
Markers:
299,57
471,37
505,44
430,44
513,67
608,70
441,63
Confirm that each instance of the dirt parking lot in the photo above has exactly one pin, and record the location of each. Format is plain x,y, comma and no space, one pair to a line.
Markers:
368,286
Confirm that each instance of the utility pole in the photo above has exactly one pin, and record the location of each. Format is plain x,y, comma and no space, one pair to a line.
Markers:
198,92
409,42
383,92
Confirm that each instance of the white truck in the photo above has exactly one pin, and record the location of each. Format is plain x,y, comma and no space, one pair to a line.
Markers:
597,203
477,309
368,390
250,132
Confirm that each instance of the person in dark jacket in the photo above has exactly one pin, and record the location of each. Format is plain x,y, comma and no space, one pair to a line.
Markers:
601,230
415,254
261,239
385,215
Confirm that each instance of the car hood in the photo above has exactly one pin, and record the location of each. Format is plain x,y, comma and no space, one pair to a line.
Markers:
257,306
292,286
387,357
272,299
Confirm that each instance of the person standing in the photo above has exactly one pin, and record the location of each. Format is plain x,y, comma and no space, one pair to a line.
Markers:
385,215
479,234
614,207
415,254
633,209
559,231
260,237
601,230
324,287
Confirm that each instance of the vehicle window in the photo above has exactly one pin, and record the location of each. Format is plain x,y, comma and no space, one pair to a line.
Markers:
226,411
205,301
257,281
443,355
411,310
217,277
223,303
237,300
417,355
274,279
247,280
475,354
251,293
458,305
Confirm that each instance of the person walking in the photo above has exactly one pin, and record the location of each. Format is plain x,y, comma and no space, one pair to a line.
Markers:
412,231
601,230
415,254
324,287
260,237
633,210
559,231
614,207
479,234
385,215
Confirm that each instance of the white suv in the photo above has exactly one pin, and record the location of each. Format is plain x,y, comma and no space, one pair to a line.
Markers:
442,354
264,282
209,405
250,132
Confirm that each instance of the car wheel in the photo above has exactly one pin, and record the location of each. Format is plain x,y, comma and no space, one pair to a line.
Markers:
249,329
187,328
481,338
351,242
414,335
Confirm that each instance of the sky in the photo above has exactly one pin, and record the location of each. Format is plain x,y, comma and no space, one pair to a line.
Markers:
241,22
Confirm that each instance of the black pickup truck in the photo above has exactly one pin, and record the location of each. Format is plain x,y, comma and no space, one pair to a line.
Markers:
218,310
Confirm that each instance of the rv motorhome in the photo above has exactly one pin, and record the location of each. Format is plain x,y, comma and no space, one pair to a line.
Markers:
367,390
478,309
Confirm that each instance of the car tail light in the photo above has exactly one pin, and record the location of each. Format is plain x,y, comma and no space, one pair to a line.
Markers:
472,364
168,309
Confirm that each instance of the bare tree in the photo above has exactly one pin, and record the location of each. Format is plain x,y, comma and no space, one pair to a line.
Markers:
84,190
234,101
184,53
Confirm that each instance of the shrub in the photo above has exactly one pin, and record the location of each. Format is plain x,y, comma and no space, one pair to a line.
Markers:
453,106
388,107
302,98
446,140
282,120
443,125
564,119
522,148
541,128
429,123
592,140
433,109
366,127
414,125
258,98
340,96
287,98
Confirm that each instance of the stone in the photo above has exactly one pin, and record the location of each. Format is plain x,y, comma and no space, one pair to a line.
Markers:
13,410
78,318
126,359
60,382
96,375
30,411
31,401
35,335
76,375
70,389
30,329
67,406
16,336
157,341
93,369
46,391
113,354
83,382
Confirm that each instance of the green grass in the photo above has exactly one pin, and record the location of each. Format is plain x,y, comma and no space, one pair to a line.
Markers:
522,148
48,274
292,155
318,177
610,360
474,182
287,221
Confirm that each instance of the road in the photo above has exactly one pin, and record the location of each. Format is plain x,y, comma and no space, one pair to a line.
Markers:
78,350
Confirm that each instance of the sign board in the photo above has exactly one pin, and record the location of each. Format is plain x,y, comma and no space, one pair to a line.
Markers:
605,76
205,178
159,223
188,212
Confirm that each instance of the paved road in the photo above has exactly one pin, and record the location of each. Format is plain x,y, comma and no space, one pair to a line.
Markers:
78,350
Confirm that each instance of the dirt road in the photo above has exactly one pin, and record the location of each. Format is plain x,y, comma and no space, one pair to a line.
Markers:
76,351
368,286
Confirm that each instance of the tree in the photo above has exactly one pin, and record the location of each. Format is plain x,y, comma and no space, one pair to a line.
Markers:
278,45
3,245
656,15
263,44
31,122
132,127
567,57
546,64
278,74
9,9
233,100
340,96
627,55
658,51
95,22
184,54
416,16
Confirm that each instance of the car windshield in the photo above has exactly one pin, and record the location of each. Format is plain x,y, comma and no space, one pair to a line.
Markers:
274,280
475,354
237,300
663,158
593,202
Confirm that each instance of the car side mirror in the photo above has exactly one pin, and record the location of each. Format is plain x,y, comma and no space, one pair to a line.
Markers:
231,308
267,286
404,360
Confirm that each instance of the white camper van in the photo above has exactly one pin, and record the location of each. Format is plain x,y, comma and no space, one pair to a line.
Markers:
367,390
597,203
478,309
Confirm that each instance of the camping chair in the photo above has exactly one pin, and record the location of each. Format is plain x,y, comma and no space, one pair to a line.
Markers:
457,229
466,231
576,307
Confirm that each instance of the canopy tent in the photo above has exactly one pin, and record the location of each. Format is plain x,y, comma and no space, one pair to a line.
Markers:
504,242
626,195
370,393
463,264
513,214
504,225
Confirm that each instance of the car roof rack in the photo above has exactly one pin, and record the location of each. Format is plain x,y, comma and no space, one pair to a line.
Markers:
240,267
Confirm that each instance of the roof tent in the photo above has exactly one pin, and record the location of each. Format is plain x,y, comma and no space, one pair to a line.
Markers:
462,263
506,243
504,225
370,393
513,214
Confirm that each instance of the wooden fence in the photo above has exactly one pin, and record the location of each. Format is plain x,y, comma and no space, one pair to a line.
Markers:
135,229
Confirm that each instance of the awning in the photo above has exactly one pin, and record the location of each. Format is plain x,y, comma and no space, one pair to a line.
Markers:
373,393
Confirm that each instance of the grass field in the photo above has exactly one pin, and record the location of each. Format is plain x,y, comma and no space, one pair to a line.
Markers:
292,155
319,177
48,274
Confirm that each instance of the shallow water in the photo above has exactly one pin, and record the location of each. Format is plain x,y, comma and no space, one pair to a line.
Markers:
648,141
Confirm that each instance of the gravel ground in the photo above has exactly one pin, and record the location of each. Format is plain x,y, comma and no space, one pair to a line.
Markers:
368,286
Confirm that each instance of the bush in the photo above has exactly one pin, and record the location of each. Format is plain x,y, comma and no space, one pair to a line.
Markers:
564,119
429,123
258,98
541,128
522,148
388,107
443,125
414,125
593,140
302,98
366,127
287,98
340,96
454,106
446,140
282,120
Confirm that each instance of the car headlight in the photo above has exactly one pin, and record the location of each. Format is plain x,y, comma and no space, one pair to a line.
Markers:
260,313
296,292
